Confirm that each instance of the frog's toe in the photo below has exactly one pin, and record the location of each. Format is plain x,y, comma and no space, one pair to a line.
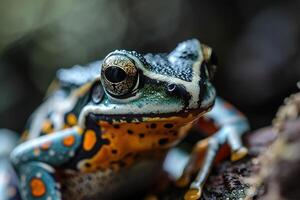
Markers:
193,194
239,154
238,150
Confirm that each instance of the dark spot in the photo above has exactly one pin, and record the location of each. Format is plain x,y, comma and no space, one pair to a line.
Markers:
88,165
147,126
141,135
153,125
163,141
129,131
114,151
116,126
168,125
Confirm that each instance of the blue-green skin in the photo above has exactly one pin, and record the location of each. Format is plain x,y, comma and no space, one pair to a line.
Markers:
152,93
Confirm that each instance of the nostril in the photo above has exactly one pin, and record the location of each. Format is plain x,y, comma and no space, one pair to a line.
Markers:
171,87
179,91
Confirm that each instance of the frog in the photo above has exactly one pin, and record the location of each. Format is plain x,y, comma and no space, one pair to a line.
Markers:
104,129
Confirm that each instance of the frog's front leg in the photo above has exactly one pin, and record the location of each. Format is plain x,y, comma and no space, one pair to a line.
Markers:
37,159
232,125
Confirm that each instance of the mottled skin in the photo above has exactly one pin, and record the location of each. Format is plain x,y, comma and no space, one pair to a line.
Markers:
104,129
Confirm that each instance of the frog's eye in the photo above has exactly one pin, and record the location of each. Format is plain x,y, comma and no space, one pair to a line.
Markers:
119,75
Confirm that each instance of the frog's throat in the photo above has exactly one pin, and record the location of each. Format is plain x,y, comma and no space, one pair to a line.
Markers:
152,135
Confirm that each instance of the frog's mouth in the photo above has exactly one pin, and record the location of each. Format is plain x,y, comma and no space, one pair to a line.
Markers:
93,118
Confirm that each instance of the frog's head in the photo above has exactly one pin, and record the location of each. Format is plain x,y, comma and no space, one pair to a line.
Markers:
154,87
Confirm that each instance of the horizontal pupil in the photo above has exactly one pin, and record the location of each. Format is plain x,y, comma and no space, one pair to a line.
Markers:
115,74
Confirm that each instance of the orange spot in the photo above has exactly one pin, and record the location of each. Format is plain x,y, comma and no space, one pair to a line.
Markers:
38,187
47,127
69,141
89,140
46,145
71,119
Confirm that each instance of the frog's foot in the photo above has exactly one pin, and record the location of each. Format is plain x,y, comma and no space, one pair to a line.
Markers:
37,182
239,154
203,157
36,161
238,151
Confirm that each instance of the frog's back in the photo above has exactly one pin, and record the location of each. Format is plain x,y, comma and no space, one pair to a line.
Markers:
56,112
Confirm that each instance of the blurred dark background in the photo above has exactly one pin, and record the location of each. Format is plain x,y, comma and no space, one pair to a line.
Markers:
257,43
